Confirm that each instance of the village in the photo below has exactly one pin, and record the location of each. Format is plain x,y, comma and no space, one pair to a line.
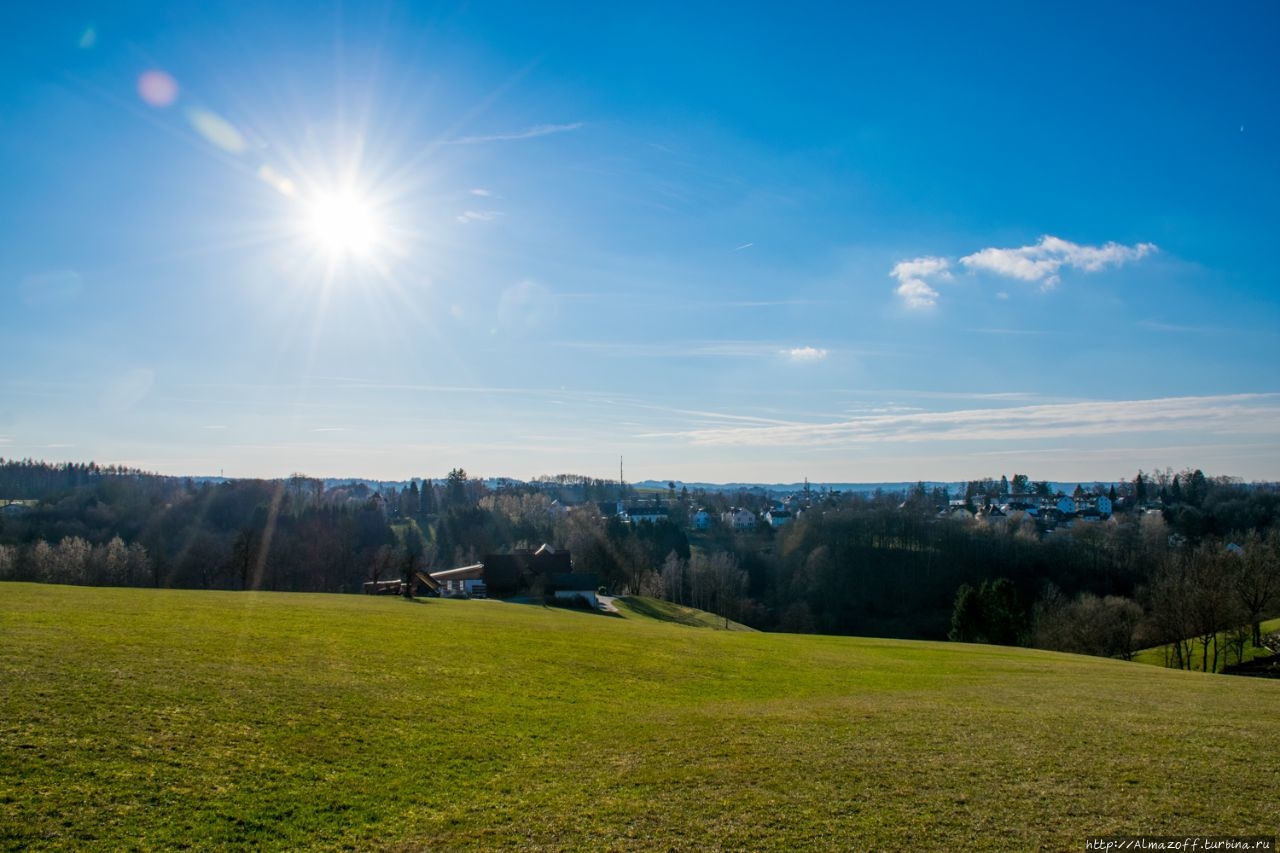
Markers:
547,575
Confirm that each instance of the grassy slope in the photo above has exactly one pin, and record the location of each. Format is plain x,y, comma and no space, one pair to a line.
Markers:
160,718
665,611
1158,655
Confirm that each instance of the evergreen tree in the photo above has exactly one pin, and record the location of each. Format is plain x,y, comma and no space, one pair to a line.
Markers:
967,618
455,489
1003,618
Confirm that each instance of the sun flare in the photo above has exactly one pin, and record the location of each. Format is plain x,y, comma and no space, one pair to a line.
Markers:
343,223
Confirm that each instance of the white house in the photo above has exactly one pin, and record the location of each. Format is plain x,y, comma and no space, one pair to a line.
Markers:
637,514
739,519
778,517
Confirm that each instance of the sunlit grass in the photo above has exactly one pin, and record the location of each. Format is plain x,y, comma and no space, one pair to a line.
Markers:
158,719
666,611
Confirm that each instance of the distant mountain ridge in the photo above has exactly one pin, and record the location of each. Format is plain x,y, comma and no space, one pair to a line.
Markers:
955,486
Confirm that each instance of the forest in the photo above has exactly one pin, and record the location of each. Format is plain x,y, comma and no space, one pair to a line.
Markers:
1182,555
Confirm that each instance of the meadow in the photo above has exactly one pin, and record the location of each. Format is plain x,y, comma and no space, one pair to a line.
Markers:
154,719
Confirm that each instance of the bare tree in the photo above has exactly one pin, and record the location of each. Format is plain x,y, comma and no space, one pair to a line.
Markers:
1086,625
1171,612
674,570
1255,579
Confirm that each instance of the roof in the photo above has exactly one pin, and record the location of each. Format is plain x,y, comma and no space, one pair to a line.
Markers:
646,510
472,572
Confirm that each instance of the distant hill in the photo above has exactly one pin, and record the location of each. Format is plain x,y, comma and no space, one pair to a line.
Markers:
789,488
956,487
158,719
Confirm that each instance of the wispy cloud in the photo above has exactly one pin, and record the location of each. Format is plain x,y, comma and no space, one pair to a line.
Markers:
1175,328
527,133
470,216
51,288
729,349
744,246
1226,414
482,192
1043,261
1009,331
805,354
676,349
912,286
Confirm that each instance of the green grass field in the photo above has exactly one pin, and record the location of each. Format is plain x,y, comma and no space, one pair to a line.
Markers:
158,719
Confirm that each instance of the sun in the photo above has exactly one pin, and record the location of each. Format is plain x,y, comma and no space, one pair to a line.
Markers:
343,223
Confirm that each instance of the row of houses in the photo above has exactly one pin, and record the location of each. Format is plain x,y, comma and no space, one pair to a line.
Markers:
1048,509
740,518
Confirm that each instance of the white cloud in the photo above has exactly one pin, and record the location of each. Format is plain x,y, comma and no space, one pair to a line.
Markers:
806,354
921,268
911,275
1043,261
483,193
526,133
917,294
478,216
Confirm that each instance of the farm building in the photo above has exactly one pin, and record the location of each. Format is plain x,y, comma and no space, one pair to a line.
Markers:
505,575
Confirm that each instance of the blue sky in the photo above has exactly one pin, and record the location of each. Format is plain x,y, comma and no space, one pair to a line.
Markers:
728,243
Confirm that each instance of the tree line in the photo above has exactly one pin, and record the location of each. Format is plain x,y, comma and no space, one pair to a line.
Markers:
881,563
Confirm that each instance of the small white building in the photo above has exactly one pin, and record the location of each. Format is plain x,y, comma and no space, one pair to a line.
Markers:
740,519
778,517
